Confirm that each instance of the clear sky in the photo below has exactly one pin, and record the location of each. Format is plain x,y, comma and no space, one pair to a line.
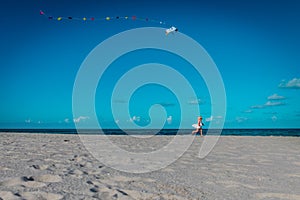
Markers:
255,45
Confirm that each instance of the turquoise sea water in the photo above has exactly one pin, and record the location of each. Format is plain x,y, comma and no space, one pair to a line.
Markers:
237,132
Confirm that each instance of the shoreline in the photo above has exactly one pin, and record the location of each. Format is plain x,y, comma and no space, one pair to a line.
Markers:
172,132
141,135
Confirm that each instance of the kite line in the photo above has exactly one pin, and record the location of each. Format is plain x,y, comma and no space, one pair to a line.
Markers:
107,18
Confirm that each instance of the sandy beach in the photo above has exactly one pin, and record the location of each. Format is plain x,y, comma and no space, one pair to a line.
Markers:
53,166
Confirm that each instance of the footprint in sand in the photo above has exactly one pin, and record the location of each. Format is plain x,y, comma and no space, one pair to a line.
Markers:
49,178
40,195
32,182
104,191
40,167
75,173
110,193
7,195
23,181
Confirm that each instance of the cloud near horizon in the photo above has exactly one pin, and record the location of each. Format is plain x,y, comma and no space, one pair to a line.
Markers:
28,120
135,119
257,106
241,119
196,102
211,118
292,84
169,119
268,104
272,103
275,97
80,118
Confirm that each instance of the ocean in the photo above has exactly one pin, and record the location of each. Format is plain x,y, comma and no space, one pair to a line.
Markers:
225,132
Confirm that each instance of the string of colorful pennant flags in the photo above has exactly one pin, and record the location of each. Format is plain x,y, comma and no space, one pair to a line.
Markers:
108,18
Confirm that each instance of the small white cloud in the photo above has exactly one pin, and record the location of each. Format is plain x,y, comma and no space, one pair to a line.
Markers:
215,119
292,84
81,118
275,97
248,111
209,119
241,119
169,119
135,119
272,103
66,120
28,120
257,107
196,102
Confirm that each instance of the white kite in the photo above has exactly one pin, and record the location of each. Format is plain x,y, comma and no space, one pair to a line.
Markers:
171,30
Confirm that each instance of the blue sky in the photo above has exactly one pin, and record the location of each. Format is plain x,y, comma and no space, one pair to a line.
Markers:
255,45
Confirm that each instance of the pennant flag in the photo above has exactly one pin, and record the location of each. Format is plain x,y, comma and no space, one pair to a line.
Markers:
107,18
134,18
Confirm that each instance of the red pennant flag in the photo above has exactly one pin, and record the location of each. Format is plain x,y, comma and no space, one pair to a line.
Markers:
41,12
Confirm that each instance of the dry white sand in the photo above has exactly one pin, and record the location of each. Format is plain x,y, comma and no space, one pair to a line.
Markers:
48,166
